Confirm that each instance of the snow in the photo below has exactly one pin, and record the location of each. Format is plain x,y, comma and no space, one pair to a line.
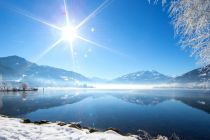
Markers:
65,78
202,102
12,129
202,74
24,75
144,75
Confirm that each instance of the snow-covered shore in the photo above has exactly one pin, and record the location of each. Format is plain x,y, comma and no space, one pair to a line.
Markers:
14,129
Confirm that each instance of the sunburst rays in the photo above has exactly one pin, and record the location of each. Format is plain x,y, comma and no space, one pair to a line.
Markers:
68,25
94,13
30,16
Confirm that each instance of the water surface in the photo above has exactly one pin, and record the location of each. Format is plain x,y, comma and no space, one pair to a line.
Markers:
185,112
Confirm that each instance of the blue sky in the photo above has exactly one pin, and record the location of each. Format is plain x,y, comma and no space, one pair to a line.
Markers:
139,35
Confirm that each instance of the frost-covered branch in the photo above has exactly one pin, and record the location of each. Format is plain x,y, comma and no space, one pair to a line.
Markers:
191,21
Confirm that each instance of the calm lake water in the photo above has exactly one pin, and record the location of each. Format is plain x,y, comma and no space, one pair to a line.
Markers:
185,112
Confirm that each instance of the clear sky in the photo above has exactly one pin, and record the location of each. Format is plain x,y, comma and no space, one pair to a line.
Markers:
139,36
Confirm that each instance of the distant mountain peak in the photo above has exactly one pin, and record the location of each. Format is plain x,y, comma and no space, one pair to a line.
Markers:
195,76
13,57
15,67
149,76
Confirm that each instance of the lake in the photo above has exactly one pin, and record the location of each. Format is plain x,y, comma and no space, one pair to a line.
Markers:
185,112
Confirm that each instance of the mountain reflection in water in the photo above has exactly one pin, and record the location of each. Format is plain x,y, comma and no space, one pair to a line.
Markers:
186,112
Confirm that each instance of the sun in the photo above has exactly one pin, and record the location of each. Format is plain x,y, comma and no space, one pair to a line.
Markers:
69,33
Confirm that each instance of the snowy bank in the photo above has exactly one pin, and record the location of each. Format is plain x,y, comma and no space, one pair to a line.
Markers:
14,129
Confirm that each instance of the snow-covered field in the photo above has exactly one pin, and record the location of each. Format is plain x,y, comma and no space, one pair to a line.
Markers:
14,129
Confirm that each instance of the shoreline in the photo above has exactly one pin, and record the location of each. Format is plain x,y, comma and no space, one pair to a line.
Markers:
16,128
18,90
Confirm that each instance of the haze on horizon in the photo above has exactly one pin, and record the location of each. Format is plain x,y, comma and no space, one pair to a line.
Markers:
129,36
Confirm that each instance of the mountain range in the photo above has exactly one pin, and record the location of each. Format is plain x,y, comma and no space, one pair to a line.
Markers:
15,68
143,77
196,75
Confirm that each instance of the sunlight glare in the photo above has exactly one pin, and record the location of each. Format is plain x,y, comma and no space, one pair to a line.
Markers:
69,33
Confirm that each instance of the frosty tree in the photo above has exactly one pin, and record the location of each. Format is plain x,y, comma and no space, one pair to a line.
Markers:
191,21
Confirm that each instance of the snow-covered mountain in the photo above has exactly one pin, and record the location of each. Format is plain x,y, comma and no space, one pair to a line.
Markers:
196,75
147,77
19,69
